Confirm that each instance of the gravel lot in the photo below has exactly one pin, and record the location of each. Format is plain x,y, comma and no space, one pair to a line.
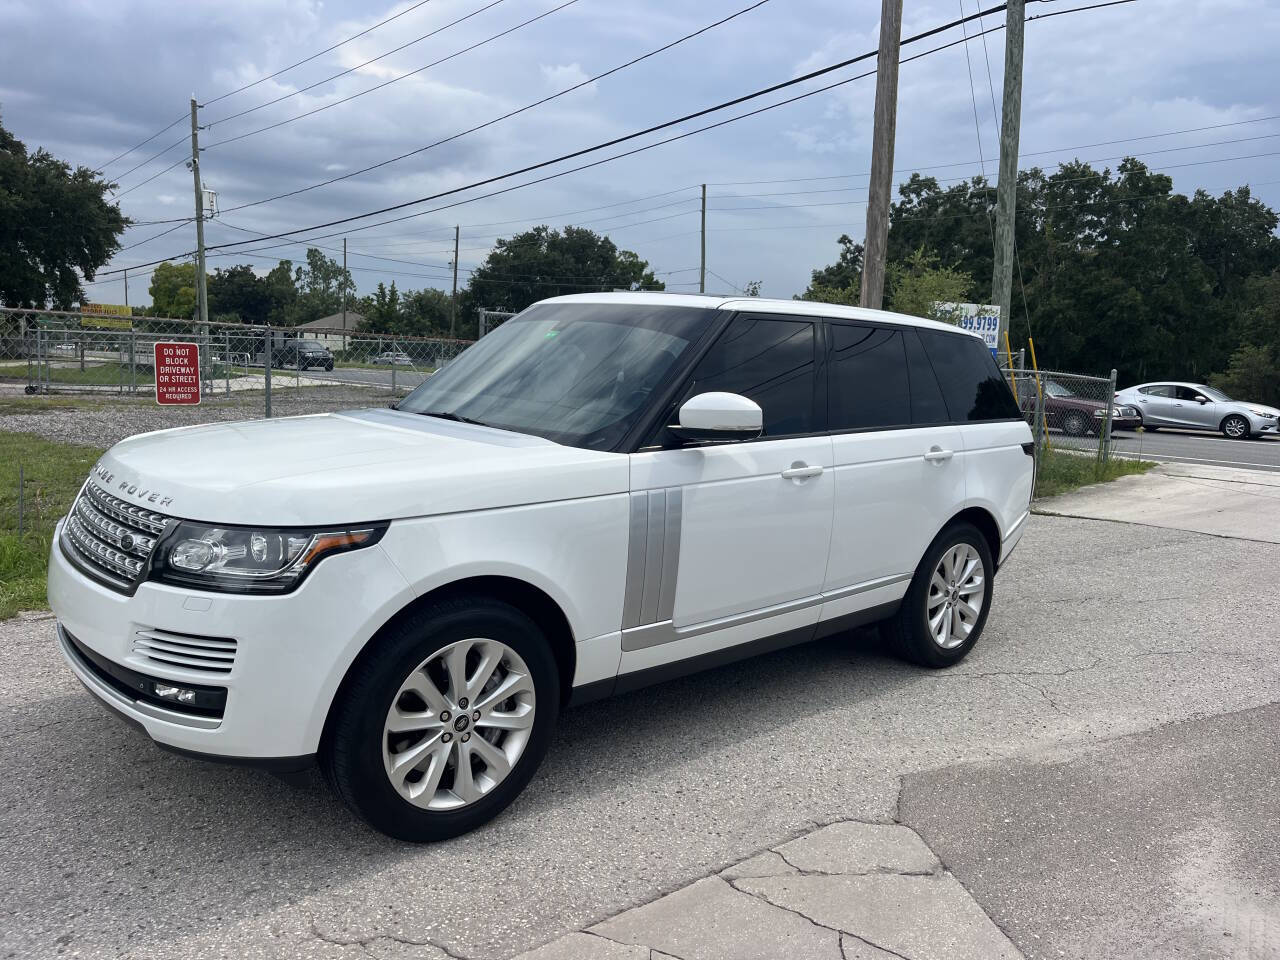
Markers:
101,422
111,848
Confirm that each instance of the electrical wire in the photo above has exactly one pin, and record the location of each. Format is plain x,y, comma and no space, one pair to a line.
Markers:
387,83
358,66
506,116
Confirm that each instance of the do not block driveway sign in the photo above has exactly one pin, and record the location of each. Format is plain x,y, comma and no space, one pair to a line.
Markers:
177,373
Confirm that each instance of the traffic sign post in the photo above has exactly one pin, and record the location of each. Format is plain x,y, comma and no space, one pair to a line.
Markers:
177,373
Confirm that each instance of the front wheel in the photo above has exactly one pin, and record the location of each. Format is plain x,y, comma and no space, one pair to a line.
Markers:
1235,427
443,725
1075,424
946,606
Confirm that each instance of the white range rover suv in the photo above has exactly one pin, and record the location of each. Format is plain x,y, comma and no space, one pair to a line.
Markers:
608,491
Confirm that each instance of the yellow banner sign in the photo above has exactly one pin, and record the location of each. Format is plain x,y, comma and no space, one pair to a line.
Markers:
106,310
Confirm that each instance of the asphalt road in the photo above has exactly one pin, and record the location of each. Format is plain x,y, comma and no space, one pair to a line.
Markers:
1187,446
111,848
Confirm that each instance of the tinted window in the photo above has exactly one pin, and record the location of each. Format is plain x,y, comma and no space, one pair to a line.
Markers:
867,381
1186,393
927,405
971,382
768,361
1159,390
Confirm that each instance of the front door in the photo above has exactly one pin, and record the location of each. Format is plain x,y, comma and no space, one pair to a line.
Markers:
728,542
1191,412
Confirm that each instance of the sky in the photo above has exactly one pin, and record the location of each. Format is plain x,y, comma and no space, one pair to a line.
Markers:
87,80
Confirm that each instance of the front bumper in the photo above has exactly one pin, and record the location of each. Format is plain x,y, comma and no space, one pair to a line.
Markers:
1267,426
290,652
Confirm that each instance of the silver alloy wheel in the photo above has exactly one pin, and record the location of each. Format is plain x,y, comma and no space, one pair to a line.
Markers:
957,590
1235,427
458,724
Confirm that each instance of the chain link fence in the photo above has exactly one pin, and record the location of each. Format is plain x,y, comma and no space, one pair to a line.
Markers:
49,352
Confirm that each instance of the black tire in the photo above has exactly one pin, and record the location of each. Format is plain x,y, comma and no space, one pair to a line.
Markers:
908,630
1239,424
328,366
1075,424
351,754
1147,427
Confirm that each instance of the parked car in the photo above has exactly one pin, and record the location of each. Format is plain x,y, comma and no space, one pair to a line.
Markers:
302,355
1072,414
393,357
1194,406
607,491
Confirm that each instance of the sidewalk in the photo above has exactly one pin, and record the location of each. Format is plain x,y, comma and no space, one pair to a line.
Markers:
847,891
1222,501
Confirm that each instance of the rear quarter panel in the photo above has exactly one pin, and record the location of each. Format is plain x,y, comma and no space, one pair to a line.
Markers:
999,474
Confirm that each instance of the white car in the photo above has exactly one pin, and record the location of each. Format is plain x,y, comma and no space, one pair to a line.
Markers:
1194,406
607,491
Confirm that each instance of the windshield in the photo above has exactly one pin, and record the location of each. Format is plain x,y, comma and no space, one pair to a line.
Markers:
310,344
1213,394
576,373
1056,389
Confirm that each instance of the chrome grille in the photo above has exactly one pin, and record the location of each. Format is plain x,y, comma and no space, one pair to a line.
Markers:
191,652
109,537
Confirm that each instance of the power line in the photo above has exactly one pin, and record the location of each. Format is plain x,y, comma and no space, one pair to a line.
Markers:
509,114
343,73
143,183
778,86
141,143
354,36
387,83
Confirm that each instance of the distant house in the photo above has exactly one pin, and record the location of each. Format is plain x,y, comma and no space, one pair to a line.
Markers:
332,331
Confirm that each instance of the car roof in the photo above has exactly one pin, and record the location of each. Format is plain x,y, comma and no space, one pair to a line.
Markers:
804,308
1165,383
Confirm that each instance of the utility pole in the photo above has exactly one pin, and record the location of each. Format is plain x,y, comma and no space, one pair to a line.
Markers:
1007,187
453,304
344,292
702,271
126,286
886,122
202,295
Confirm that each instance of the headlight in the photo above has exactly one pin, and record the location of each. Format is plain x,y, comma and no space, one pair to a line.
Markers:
251,559
1265,414
1101,412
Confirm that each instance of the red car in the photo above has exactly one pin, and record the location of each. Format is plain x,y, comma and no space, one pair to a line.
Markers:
1072,414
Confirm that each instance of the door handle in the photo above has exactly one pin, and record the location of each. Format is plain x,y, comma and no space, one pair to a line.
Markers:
937,454
801,471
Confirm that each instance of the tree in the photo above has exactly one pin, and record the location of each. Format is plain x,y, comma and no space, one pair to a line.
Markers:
383,311
240,293
544,263
1251,375
53,222
426,312
173,290
919,283
832,284
320,286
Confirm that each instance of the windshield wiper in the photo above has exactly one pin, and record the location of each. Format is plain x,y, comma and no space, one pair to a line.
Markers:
450,415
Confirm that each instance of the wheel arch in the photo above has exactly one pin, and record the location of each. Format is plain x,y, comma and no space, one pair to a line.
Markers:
1222,424
987,525
531,600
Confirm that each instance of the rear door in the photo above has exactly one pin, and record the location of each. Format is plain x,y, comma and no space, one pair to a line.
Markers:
898,471
1155,403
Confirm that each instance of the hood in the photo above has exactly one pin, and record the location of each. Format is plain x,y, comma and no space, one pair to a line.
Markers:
352,467
1264,408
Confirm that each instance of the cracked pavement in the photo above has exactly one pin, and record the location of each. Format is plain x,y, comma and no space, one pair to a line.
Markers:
1100,630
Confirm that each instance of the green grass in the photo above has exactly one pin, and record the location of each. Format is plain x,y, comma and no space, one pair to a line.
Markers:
53,474
1061,472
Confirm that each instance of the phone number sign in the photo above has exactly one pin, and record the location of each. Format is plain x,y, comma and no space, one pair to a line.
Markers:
982,319
177,373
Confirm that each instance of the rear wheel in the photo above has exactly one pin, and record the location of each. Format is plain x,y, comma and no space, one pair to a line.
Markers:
1235,427
946,606
442,728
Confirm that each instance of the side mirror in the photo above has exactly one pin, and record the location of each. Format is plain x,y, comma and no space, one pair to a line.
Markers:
1201,398
719,416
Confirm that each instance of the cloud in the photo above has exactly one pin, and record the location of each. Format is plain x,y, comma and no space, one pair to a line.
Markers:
567,75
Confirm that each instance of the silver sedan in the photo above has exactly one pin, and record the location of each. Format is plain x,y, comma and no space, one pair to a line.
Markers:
1194,406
